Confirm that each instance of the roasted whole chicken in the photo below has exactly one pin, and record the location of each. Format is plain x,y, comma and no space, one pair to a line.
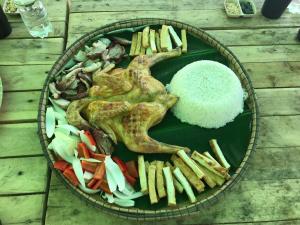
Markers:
125,103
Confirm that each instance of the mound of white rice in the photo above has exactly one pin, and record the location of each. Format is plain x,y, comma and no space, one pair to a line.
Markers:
210,94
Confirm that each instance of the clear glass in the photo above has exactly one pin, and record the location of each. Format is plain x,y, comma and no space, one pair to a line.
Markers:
36,19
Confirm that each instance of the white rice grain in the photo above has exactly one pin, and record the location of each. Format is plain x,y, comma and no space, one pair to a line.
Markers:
210,94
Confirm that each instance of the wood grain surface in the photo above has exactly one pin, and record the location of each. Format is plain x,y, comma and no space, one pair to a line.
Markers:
268,193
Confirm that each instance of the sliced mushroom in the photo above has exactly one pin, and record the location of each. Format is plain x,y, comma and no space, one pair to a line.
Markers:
96,51
91,68
56,93
67,80
78,65
103,141
116,52
74,85
86,77
80,56
87,85
105,41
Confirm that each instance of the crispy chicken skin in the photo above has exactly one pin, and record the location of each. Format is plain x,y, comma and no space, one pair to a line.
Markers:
125,103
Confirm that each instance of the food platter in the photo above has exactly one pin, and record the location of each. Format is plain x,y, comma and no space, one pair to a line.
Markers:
237,139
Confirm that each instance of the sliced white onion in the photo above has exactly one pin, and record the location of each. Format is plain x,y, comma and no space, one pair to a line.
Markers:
64,145
86,140
128,190
62,130
59,116
123,196
76,153
62,150
87,176
78,171
71,128
91,160
62,122
88,190
124,203
115,173
57,108
50,122
109,197
112,184
63,103
67,138
121,202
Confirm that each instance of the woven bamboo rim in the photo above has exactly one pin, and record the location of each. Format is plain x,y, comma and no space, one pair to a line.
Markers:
135,213
1,92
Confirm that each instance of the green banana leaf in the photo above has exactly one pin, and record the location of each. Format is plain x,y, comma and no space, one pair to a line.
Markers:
232,138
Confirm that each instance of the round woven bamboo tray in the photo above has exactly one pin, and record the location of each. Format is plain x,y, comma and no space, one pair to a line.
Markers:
167,213
1,92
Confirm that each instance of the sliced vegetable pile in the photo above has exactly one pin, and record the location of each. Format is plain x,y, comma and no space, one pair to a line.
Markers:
81,162
160,179
75,79
150,41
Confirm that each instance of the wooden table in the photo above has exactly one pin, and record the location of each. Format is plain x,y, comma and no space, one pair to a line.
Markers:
269,191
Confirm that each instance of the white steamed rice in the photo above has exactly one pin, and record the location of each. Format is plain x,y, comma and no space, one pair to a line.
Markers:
210,94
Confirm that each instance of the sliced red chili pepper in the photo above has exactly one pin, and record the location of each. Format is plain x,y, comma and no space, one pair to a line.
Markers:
120,163
100,172
132,168
104,187
97,184
61,165
131,180
70,175
80,147
98,156
90,137
83,150
89,166
92,183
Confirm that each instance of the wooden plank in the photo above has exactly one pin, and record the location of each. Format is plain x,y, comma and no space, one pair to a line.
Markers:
19,30
144,5
270,36
253,201
115,5
56,11
27,140
23,77
21,209
81,23
279,101
23,175
274,164
279,131
19,106
272,53
30,51
247,201
274,74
